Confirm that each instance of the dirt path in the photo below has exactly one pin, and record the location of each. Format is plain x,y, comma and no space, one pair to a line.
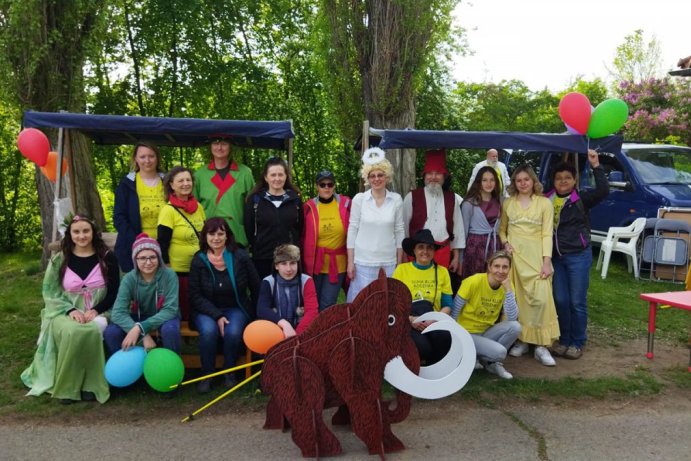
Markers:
640,427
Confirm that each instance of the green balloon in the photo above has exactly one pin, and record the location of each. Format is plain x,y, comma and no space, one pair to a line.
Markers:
607,118
163,368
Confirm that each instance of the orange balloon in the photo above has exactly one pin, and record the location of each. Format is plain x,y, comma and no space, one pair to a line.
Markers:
262,335
50,169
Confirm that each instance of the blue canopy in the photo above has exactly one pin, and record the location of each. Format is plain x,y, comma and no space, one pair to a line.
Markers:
428,139
186,132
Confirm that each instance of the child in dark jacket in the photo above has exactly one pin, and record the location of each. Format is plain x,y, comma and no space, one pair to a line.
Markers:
572,254
288,297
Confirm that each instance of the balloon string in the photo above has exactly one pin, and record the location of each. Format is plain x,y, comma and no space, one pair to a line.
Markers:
218,373
225,394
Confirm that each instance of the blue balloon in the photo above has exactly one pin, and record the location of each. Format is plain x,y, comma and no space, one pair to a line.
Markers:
125,367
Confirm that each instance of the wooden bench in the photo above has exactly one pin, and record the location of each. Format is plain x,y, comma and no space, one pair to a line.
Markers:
193,361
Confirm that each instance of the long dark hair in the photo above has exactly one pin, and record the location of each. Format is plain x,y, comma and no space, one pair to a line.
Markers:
168,179
263,185
67,245
213,225
475,192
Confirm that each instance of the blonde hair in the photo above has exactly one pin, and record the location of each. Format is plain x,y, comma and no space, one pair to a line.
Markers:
383,165
525,168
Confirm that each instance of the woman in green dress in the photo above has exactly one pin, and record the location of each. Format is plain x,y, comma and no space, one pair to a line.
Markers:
79,289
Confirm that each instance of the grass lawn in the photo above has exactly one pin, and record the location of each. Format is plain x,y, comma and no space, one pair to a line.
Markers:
616,315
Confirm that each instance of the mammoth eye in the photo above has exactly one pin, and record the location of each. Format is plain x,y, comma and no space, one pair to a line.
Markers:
392,320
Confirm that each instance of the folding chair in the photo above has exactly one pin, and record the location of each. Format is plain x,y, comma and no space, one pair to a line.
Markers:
671,250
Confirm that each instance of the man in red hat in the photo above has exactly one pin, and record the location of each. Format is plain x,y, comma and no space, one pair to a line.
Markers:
431,207
502,173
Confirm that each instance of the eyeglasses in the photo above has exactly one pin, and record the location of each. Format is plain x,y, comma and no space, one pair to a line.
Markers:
326,185
146,259
376,176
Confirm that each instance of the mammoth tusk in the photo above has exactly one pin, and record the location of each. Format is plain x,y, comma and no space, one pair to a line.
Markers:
426,387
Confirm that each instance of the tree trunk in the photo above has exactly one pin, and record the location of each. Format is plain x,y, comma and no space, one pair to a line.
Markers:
402,160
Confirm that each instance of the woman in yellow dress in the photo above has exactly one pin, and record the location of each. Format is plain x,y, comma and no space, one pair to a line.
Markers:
526,229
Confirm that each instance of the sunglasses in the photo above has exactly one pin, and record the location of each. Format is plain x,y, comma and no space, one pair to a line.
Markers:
326,185
376,176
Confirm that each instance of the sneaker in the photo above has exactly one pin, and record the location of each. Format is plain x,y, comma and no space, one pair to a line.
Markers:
204,386
497,368
518,349
559,349
543,356
573,353
478,365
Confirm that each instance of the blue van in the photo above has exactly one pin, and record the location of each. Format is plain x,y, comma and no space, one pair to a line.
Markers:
642,178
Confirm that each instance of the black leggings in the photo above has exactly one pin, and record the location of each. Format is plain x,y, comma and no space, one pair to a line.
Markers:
432,346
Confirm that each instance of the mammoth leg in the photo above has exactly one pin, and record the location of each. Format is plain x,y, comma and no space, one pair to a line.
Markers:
356,372
300,395
274,417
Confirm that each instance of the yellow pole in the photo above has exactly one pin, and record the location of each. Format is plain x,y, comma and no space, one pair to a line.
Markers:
225,394
218,373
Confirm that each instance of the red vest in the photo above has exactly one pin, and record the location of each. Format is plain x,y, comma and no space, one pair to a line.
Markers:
419,218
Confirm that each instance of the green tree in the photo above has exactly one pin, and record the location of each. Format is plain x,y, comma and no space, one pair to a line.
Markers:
43,49
636,60
381,49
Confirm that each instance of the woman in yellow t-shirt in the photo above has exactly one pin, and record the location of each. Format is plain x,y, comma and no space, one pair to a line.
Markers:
430,289
179,225
138,201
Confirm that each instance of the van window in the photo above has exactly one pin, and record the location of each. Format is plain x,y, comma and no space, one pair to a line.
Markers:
662,166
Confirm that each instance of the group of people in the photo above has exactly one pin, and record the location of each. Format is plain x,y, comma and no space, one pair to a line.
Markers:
215,249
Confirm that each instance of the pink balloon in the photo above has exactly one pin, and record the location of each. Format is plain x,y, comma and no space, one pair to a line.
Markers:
34,145
575,110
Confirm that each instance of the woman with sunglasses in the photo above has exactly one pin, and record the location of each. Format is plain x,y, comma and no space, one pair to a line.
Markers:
375,231
324,239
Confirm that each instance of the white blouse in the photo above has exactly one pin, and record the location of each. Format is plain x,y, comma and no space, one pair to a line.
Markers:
374,233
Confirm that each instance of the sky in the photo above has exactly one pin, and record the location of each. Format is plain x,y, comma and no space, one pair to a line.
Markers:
548,43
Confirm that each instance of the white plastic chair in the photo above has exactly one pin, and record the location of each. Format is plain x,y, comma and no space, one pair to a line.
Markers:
614,242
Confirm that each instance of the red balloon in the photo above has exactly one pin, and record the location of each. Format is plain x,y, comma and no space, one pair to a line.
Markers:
50,169
262,335
575,110
34,145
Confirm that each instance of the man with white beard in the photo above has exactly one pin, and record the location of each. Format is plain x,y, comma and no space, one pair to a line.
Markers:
431,207
502,173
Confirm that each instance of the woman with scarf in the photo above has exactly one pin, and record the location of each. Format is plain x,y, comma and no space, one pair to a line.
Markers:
79,288
287,297
179,224
220,278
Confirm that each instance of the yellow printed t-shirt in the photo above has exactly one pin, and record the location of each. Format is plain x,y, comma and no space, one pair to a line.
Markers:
420,282
332,234
483,304
150,203
184,242
558,203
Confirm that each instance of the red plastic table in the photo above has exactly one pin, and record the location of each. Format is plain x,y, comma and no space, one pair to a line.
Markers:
678,299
